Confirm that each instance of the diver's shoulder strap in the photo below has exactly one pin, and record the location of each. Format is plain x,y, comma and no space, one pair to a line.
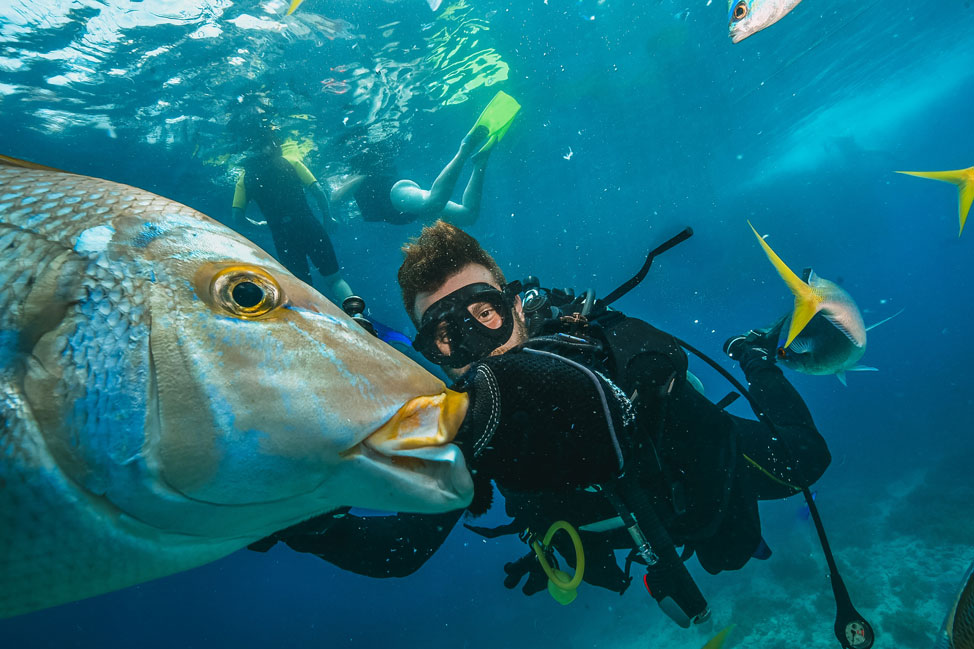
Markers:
639,354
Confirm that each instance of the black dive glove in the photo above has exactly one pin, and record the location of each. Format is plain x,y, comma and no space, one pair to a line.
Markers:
540,421
756,347
527,565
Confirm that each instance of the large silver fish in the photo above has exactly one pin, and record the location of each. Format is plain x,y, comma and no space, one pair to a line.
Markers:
169,393
958,629
748,17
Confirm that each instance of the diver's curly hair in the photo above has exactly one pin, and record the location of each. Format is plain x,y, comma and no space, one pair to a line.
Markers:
439,251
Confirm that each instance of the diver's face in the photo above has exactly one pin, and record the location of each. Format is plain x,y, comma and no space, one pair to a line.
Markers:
484,312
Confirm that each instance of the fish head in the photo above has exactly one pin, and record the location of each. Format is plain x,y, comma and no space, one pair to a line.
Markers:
748,17
282,381
216,395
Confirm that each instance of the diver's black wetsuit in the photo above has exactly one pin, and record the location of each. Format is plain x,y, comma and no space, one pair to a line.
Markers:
277,188
375,203
553,438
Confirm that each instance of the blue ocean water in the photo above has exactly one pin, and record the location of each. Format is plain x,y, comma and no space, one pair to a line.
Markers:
639,118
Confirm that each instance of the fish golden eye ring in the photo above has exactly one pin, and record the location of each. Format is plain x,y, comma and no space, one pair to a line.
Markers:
740,11
229,286
539,549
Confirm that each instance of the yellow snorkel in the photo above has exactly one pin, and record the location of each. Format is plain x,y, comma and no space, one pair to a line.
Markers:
561,587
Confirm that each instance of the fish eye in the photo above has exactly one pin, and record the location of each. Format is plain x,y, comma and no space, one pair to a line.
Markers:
246,292
740,11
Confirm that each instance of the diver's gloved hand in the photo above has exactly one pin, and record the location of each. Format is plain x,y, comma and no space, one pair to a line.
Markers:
753,347
527,565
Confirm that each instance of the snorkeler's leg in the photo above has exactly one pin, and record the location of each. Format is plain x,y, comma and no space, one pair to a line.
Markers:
337,288
291,253
468,213
408,197
322,255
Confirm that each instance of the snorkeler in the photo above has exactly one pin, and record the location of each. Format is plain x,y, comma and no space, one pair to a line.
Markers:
277,184
382,198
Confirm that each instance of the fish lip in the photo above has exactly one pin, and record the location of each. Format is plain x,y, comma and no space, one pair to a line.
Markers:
417,440
420,427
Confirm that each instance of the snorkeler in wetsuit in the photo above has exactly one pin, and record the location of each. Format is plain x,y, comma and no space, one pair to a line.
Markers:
381,197
277,184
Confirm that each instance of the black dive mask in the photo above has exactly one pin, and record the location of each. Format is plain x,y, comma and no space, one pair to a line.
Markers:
467,325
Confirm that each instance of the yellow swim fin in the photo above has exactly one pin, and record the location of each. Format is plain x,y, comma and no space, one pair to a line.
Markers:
294,5
807,301
497,118
963,178
718,640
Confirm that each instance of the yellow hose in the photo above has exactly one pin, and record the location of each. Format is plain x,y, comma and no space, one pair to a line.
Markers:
539,549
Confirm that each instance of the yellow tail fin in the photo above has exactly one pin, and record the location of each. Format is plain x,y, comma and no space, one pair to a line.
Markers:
963,178
294,5
807,301
718,640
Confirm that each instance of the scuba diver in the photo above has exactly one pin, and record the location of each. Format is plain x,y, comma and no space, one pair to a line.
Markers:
586,416
278,184
381,197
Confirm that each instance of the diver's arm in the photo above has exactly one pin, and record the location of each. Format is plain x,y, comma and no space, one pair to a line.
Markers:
795,452
322,200
538,420
378,546
348,188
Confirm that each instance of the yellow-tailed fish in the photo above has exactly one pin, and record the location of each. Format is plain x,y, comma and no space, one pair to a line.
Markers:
169,393
718,640
751,16
963,178
826,334
957,631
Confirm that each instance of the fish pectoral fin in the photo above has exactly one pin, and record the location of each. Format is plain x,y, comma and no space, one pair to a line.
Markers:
841,377
862,368
838,324
808,302
885,320
963,178
801,346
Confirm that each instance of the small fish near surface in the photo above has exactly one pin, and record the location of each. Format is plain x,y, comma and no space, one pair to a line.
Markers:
957,631
748,17
169,393
826,333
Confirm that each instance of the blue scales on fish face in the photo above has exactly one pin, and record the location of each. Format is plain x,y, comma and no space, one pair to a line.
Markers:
169,393
748,17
